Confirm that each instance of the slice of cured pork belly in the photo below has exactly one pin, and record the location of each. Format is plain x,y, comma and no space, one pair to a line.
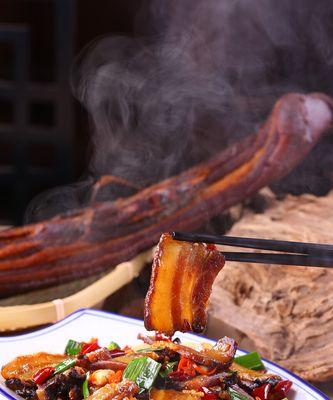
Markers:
181,283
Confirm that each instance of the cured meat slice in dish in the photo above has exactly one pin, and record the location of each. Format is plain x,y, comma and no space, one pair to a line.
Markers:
182,277
24,367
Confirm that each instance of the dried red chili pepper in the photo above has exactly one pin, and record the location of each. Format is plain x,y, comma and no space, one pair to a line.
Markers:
262,392
89,347
280,390
43,374
267,392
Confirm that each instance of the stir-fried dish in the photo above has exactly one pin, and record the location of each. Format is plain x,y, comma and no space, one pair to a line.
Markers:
161,368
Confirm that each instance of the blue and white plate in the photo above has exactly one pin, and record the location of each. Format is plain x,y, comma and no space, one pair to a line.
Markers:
85,324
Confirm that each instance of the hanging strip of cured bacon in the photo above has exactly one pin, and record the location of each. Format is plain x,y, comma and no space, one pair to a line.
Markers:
85,241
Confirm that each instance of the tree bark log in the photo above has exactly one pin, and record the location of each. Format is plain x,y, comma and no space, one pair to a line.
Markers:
86,241
286,311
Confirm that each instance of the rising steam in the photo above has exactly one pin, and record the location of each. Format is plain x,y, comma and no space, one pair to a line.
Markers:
198,74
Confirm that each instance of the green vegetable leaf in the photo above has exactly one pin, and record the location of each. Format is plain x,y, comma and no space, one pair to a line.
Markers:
73,348
64,366
168,369
85,386
251,361
236,395
143,371
113,346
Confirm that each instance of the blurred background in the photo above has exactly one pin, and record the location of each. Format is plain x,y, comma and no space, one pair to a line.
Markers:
44,131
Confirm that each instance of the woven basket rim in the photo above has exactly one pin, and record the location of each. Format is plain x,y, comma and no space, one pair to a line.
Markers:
30,315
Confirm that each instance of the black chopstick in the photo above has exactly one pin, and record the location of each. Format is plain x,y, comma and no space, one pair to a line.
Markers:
253,243
281,259
296,253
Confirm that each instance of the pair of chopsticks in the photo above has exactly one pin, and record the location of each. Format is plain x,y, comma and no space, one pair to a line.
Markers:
295,253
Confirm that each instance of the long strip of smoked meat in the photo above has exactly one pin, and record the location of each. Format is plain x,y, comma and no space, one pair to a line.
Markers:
85,241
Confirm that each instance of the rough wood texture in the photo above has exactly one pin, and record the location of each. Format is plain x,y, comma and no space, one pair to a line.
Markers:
85,241
286,311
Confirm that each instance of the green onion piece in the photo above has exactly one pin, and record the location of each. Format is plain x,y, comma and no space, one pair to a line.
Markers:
63,366
146,349
143,371
251,361
168,369
234,395
113,346
85,386
73,348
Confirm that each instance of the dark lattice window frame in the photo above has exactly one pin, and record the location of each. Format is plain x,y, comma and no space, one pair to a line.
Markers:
23,133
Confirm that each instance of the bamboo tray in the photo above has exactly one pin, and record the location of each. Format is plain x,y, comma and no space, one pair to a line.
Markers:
25,315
